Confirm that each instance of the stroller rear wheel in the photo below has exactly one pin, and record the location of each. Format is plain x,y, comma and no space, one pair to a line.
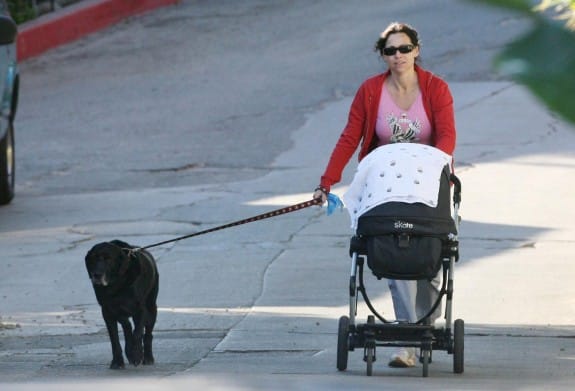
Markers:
342,343
458,334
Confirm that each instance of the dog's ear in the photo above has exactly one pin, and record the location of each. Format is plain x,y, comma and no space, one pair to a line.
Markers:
88,256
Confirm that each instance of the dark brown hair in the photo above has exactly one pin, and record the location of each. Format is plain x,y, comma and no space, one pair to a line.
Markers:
395,28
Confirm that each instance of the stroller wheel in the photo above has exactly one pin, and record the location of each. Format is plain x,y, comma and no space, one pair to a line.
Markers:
342,343
425,360
458,334
370,349
430,356
369,359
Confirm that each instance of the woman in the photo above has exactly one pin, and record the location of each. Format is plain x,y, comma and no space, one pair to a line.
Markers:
404,104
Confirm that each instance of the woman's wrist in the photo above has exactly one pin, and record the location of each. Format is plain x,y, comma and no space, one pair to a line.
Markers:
322,189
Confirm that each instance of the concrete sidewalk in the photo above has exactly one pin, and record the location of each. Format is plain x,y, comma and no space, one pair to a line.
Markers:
281,284
76,21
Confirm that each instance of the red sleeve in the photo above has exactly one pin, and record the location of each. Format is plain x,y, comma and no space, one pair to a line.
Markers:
443,118
348,141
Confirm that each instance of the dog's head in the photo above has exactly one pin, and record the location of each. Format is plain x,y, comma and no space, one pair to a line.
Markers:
106,263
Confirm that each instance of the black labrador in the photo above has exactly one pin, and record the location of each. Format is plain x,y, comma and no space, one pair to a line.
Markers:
126,284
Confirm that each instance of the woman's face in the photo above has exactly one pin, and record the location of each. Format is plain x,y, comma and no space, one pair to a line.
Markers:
400,62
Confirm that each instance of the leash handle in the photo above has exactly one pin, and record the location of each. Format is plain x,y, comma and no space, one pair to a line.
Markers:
267,215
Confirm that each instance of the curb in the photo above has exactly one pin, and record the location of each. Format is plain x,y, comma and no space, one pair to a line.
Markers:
76,21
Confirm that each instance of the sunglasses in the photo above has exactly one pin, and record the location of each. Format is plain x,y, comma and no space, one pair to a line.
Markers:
391,50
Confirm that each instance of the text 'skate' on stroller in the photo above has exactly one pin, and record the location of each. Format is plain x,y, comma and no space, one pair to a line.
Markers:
405,228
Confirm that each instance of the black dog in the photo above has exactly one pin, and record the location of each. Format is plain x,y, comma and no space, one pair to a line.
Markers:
126,285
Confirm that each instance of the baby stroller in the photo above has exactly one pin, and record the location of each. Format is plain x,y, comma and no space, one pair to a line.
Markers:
402,238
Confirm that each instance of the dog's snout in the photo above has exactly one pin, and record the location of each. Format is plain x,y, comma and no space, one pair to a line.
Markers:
99,278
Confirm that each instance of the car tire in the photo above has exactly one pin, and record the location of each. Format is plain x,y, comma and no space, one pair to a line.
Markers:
7,166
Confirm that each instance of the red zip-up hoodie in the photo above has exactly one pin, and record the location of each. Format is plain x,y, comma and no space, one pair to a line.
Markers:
438,104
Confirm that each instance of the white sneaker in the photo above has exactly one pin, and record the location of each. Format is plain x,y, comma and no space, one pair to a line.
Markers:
403,358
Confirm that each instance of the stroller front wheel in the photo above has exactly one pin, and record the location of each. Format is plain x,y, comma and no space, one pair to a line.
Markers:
425,360
369,359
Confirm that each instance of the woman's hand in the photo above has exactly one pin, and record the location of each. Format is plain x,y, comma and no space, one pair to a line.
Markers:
320,193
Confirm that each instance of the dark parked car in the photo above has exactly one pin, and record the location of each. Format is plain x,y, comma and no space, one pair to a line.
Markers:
9,84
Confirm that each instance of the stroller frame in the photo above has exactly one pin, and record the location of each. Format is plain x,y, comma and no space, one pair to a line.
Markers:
421,334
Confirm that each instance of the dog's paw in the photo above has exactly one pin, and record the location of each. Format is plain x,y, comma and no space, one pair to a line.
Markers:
148,359
117,364
129,353
136,354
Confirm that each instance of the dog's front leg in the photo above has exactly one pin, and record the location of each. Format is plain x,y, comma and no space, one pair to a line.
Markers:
112,326
149,327
137,351
128,338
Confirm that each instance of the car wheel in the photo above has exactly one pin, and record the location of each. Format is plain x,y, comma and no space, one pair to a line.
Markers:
7,166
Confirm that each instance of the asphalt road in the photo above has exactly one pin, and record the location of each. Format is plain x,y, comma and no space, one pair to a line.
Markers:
210,92
207,112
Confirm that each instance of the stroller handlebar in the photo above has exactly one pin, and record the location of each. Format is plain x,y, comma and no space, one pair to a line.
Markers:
457,188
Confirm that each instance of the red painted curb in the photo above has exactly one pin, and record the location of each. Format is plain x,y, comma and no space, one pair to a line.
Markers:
70,24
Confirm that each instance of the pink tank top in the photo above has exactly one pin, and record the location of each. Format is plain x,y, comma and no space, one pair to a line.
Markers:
395,125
